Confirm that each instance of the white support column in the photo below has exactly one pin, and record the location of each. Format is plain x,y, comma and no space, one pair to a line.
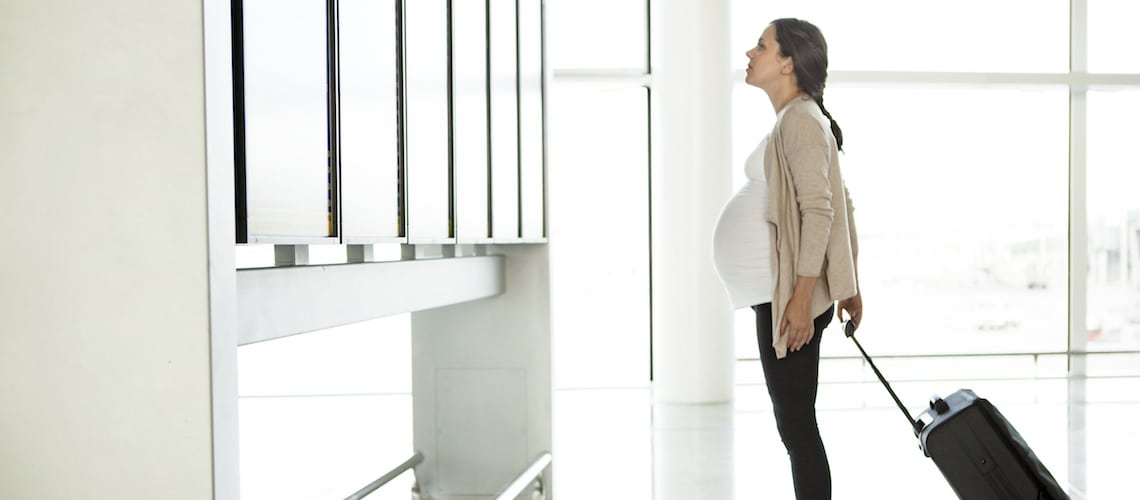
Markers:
481,383
1078,206
105,299
1078,247
691,178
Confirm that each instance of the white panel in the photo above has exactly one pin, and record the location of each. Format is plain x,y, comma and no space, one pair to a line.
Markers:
531,171
277,302
470,115
368,158
286,117
427,128
222,251
504,121
480,409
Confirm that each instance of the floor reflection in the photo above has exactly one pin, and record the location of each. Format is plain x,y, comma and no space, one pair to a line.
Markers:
614,443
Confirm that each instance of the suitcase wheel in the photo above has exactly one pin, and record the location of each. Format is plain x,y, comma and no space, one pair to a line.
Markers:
938,405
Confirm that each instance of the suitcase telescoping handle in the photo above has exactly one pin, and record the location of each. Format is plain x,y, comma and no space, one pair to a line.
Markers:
849,330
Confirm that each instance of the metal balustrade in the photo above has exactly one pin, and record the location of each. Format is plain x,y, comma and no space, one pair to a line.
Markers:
416,459
530,475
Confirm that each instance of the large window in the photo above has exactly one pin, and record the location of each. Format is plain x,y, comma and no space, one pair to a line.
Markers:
599,193
960,206
598,116
599,270
1113,220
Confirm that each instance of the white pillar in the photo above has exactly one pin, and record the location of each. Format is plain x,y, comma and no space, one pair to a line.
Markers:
481,383
1078,247
105,347
691,179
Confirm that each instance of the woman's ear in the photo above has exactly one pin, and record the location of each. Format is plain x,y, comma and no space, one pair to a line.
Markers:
787,66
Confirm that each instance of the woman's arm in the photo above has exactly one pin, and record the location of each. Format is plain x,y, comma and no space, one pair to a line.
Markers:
808,149
853,305
808,154
798,324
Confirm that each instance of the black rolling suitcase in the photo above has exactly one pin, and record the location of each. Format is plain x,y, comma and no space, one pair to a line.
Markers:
982,456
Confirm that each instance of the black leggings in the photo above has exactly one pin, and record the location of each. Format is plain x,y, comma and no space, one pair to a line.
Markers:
792,384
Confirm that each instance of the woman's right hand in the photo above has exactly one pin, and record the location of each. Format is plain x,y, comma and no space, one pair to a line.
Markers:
854,308
797,324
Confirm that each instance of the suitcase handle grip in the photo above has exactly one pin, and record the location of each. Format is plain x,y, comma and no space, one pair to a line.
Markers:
916,425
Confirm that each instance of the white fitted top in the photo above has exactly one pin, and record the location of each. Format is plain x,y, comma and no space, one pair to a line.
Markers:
741,251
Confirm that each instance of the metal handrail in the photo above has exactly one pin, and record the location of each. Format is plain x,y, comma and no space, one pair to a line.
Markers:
531,474
416,459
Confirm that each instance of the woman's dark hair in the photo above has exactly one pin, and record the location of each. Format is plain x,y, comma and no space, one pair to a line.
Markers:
804,43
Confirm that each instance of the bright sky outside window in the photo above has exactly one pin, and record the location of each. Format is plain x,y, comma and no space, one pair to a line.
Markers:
1113,220
1002,36
1113,37
597,34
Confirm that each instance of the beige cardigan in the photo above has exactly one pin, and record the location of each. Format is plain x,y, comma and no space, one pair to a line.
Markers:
811,227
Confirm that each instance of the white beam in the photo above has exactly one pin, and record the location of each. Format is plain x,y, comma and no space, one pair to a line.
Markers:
1078,79
278,302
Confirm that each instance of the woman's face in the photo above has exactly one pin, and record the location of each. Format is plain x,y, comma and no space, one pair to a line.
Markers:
765,65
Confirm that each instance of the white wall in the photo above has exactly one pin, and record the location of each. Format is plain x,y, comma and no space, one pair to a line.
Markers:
104,320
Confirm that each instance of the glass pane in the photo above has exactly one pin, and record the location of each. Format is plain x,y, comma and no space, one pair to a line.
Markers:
428,129
1113,220
598,34
961,209
904,35
469,80
286,118
504,120
1113,37
530,119
599,241
368,158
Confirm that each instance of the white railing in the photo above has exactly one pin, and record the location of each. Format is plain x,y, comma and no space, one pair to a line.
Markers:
392,474
530,475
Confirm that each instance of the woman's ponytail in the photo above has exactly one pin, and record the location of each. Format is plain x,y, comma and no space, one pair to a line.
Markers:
835,130
804,43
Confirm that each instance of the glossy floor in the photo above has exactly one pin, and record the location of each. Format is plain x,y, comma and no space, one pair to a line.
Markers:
616,444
